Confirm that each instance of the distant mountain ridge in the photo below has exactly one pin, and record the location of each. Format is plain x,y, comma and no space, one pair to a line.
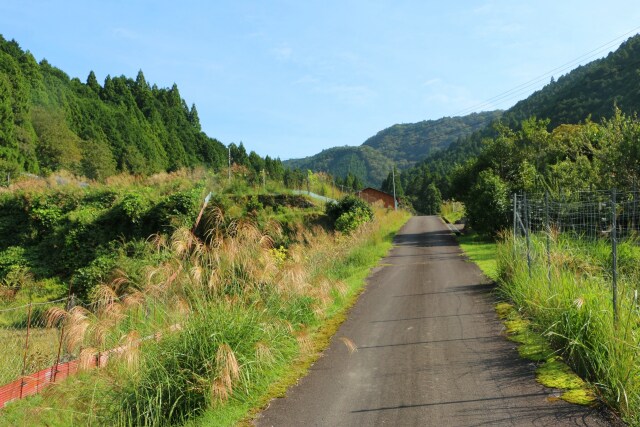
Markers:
590,91
400,144
408,143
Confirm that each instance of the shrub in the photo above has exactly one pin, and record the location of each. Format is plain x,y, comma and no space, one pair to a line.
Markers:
135,206
487,204
349,213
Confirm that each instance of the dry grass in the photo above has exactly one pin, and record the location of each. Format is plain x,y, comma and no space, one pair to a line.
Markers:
351,346
234,267
42,344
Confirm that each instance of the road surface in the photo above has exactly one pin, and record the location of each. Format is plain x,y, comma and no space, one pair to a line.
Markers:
431,352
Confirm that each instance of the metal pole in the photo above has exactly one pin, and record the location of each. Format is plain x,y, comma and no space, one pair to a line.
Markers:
393,176
548,227
229,164
526,230
54,369
26,350
635,204
515,218
614,257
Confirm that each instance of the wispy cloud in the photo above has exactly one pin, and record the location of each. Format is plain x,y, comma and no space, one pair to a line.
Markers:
452,98
282,52
351,94
432,82
125,33
307,80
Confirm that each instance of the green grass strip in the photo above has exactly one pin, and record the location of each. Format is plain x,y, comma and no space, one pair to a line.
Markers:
482,251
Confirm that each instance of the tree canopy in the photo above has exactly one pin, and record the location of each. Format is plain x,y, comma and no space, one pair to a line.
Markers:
49,121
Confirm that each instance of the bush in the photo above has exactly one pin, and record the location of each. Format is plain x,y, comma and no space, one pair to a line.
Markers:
487,204
349,213
135,206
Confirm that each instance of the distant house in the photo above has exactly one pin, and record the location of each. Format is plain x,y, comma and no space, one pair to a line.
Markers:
372,195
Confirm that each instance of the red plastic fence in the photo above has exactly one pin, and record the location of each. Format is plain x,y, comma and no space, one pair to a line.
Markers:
35,383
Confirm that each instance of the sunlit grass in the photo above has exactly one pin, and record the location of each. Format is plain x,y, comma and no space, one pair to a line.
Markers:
452,211
236,316
570,302
482,251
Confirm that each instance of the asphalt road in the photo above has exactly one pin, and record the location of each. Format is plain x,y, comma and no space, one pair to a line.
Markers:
431,352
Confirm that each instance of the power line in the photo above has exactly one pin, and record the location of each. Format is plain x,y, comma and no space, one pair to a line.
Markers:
524,87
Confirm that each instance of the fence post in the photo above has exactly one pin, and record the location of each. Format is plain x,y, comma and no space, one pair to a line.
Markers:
548,230
54,369
515,213
526,231
614,257
26,350
635,205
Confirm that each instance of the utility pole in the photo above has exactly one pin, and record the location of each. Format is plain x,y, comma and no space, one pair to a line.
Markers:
229,164
393,177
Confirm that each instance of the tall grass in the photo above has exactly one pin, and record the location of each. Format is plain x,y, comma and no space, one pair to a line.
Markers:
235,305
570,301
452,210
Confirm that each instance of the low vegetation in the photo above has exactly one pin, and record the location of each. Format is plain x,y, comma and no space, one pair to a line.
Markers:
452,211
206,319
570,303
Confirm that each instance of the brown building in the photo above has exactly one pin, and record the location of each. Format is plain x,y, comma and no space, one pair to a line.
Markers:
372,195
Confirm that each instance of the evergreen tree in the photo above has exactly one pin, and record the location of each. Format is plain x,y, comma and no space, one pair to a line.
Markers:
432,200
7,137
92,82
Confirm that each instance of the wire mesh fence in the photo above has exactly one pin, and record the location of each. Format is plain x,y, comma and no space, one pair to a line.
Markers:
45,342
586,214
607,216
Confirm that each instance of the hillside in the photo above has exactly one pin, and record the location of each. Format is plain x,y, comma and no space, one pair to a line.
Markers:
367,163
49,121
589,91
402,144
405,144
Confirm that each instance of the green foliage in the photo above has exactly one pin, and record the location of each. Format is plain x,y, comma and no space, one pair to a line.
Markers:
401,144
391,181
570,300
253,204
349,213
431,200
50,122
11,259
82,235
351,220
589,93
487,204
135,206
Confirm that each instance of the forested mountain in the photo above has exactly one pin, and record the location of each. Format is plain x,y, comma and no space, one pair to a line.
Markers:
402,144
406,144
590,91
49,121
366,163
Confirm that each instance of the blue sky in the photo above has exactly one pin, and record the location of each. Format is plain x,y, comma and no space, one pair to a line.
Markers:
290,78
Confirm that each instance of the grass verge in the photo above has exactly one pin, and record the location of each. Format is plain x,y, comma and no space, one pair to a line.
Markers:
551,371
452,211
352,270
566,295
482,252
251,317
